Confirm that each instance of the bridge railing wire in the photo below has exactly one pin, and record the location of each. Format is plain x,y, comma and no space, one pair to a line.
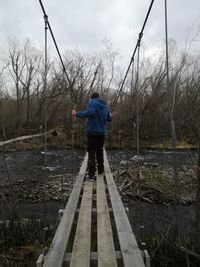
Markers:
134,52
58,51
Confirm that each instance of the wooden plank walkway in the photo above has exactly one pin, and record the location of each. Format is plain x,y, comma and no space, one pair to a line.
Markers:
106,250
56,254
89,212
81,248
129,248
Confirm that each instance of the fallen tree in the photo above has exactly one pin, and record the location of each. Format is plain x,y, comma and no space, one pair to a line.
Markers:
21,138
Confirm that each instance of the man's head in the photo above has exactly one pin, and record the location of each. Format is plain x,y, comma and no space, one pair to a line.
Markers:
95,95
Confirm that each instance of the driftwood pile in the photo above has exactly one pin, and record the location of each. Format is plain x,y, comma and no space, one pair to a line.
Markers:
135,185
54,188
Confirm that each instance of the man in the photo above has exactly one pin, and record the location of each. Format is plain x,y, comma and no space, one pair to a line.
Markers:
98,115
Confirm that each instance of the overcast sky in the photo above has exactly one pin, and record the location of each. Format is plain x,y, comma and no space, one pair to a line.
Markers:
84,24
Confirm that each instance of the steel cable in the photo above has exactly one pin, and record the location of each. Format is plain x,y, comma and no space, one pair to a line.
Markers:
57,49
133,55
73,97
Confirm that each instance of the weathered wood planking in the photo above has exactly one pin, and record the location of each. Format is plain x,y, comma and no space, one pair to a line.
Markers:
129,248
147,259
106,249
40,260
56,254
81,248
93,256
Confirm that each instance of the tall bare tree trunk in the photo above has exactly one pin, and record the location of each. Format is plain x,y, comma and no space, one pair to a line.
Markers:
198,194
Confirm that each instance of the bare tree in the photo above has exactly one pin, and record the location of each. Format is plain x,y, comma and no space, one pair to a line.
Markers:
23,61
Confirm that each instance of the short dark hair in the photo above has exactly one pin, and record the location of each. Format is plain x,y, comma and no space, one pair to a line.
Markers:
95,95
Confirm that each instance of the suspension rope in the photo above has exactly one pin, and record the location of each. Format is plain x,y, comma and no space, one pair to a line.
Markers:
133,55
173,137
45,93
73,95
57,49
132,88
45,121
137,112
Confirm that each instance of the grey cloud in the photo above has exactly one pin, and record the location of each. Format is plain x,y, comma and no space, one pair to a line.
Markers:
84,24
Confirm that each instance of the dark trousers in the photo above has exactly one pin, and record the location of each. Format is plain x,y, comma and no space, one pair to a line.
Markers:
95,145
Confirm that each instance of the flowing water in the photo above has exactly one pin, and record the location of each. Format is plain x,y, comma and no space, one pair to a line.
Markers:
27,168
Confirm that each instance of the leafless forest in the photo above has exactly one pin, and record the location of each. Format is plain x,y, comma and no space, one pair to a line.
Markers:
22,93
23,96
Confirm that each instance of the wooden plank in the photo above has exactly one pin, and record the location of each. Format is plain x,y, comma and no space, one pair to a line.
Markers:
94,210
105,244
128,244
56,254
81,248
93,256
147,259
40,260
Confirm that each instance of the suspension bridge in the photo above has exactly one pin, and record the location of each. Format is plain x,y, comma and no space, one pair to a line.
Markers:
94,228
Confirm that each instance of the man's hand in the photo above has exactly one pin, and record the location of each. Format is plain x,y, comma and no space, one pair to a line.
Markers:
113,114
73,112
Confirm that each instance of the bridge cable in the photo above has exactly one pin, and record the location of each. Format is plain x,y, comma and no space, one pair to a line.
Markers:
47,24
141,204
45,228
73,101
173,137
132,58
57,49
132,89
137,111
45,91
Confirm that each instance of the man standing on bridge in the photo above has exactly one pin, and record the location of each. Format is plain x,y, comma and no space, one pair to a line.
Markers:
98,115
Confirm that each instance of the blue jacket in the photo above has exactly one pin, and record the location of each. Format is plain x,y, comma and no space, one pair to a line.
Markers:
97,114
